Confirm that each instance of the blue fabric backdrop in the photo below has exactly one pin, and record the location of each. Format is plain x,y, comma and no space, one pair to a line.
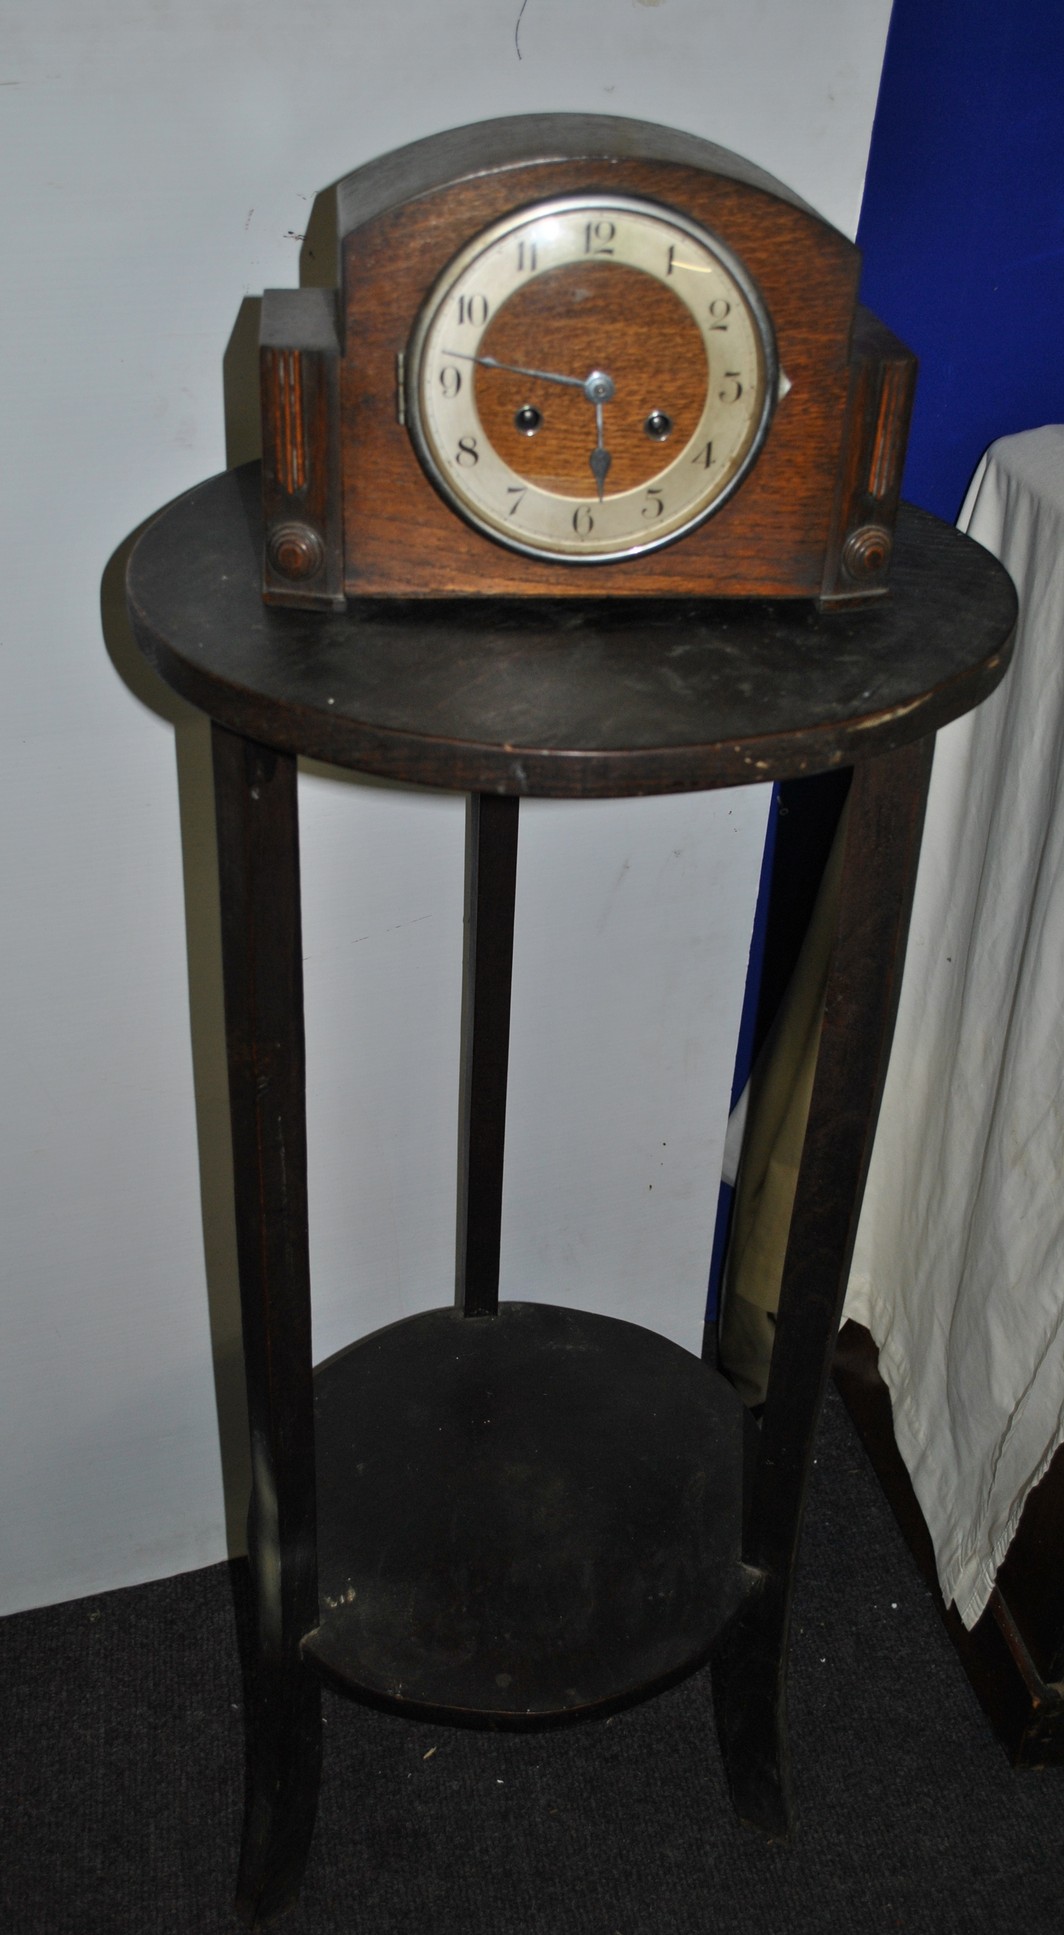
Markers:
962,226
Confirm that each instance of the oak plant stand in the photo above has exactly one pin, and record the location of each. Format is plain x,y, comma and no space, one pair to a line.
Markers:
516,1515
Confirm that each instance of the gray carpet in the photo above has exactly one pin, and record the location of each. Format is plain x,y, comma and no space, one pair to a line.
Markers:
122,1771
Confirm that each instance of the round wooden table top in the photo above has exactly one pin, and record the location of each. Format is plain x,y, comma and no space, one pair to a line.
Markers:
574,699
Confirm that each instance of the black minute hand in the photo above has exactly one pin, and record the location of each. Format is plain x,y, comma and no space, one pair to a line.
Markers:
514,369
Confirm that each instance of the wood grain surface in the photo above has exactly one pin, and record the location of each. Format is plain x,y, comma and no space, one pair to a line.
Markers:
813,518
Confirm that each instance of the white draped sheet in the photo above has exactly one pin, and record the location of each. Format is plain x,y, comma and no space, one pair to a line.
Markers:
959,1266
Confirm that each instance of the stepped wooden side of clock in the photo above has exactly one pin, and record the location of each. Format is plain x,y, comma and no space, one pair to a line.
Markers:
349,510
299,372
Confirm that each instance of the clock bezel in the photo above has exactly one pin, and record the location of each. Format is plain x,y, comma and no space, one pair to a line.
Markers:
596,203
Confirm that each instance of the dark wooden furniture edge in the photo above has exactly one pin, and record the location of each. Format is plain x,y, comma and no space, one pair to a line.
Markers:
1000,1655
705,693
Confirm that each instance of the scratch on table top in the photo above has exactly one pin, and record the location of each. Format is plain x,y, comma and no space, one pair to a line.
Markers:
893,712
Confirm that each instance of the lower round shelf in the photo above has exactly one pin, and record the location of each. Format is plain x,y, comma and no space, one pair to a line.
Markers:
525,1517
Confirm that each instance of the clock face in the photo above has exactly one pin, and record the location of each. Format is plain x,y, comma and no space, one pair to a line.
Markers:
591,378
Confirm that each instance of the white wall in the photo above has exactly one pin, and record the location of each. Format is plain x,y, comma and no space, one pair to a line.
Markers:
161,164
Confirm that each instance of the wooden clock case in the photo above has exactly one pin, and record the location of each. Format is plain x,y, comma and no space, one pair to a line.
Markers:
349,511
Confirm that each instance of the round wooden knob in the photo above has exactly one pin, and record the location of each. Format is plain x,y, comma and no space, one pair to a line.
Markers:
866,552
295,550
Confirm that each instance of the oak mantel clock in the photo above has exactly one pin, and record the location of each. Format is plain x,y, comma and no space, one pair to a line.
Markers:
573,355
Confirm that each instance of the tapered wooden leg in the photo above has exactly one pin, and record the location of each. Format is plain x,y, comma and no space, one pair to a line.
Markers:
886,814
491,882
258,847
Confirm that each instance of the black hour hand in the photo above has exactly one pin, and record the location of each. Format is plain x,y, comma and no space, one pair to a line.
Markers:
600,461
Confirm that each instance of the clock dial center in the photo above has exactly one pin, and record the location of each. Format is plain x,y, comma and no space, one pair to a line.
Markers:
605,318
